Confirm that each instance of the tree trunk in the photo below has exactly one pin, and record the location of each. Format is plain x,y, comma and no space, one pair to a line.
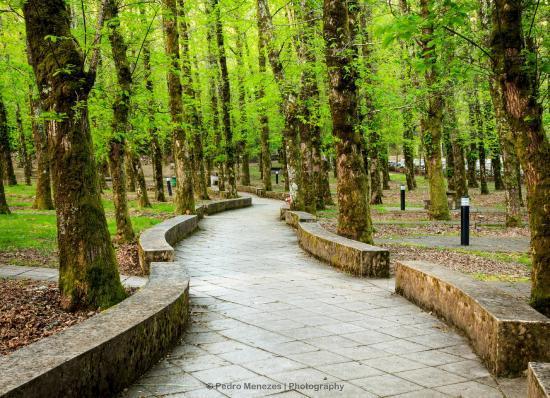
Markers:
288,91
457,144
191,113
341,56
120,126
439,207
518,82
226,101
324,196
245,175
480,141
185,200
4,208
25,156
141,185
5,150
497,171
43,195
88,275
385,169
265,153
472,155
129,175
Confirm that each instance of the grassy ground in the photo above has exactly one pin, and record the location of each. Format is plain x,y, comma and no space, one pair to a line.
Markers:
28,237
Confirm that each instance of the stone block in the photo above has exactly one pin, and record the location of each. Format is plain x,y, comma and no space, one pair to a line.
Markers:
538,380
503,330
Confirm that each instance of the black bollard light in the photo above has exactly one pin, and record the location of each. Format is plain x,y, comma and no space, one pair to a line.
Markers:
403,197
169,186
277,177
465,221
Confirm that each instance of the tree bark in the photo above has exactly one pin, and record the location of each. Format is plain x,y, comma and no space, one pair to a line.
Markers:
25,156
43,195
518,82
480,141
185,200
141,185
460,184
226,101
289,95
4,209
439,208
156,152
129,175
190,108
5,150
88,275
341,56
265,153
120,126
243,147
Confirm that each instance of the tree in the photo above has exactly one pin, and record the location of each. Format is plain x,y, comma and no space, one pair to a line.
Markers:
43,195
184,201
88,275
352,187
226,100
512,56
121,108
5,148
439,208
4,209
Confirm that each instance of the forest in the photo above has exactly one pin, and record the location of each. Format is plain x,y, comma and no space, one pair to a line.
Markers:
94,91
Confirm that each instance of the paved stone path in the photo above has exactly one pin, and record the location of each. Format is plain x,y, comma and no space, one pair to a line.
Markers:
52,274
483,243
264,312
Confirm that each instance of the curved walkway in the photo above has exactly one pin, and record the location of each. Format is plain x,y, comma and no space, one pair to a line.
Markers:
267,319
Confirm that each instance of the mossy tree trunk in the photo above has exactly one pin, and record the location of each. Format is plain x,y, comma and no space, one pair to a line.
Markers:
23,150
4,208
308,103
118,156
289,108
185,200
517,77
225,103
245,175
191,113
512,191
439,207
215,91
265,153
155,152
385,168
88,274
43,195
5,149
129,175
480,140
341,56
141,185
472,154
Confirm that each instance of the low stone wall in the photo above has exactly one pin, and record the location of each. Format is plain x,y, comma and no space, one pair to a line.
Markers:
227,204
504,331
155,244
104,354
262,192
349,255
538,380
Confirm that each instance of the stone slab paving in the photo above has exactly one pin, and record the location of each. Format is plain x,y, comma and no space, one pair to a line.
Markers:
52,274
483,243
267,315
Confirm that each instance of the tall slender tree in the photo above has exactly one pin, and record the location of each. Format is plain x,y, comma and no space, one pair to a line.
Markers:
184,201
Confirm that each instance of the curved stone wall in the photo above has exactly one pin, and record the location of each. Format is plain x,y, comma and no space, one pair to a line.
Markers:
349,255
104,354
504,331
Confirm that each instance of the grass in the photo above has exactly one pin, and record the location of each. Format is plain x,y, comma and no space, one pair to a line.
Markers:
480,276
32,229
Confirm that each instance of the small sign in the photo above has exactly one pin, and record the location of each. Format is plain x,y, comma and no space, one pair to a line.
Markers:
464,201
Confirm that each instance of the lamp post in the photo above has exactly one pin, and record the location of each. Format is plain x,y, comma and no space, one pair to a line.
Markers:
403,197
465,221
169,186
